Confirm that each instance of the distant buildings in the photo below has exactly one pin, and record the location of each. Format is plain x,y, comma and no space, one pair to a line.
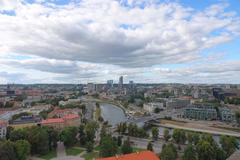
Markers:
226,115
3,129
143,155
120,83
110,83
200,112
177,103
91,87
150,107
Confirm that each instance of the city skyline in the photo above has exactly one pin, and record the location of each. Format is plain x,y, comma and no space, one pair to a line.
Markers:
147,41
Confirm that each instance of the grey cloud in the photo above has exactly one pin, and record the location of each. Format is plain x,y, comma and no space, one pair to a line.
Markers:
13,77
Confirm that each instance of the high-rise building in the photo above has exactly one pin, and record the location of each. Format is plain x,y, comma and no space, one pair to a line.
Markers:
131,84
110,83
91,87
120,83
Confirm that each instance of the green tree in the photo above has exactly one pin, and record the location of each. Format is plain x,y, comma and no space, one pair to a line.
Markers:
7,150
22,149
150,146
97,111
68,136
195,138
82,134
119,141
166,134
53,137
89,146
237,115
18,134
90,130
220,154
229,144
190,137
126,147
205,150
39,140
179,136
155,133
9,131
189,153
157,110
122,128
108,147
169,152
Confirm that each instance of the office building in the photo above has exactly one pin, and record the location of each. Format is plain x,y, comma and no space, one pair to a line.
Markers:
150,107
120,83
110,83
200,112
226,115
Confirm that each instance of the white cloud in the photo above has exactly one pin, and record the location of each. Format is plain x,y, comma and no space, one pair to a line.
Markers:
9,4
104,39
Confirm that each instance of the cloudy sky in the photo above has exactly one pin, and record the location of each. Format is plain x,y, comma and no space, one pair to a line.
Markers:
153,41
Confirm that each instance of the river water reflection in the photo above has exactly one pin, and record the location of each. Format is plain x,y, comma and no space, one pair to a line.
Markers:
112,114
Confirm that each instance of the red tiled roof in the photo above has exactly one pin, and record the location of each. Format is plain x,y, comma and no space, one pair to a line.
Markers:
53,120
3,123
144,155
60,120
71,116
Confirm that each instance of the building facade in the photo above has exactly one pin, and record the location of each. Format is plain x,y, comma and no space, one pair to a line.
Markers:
3,129
150,107
200,112
226,115
60,123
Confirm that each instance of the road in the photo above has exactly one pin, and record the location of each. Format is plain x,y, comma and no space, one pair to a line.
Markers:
8,115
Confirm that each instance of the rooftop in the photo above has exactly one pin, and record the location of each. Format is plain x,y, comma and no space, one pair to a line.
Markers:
60,120
52,120
144,155
71,116
3,123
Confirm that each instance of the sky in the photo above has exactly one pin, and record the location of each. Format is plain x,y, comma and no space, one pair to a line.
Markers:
147,41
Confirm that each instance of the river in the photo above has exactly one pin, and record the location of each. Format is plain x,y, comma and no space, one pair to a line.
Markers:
112,114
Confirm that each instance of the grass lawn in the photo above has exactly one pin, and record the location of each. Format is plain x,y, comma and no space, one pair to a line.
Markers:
49,155
97,148
74,151
90,156
138,149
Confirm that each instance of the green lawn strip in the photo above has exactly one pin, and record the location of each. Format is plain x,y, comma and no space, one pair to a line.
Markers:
138,149
49,155
73,151
97,148
90,156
